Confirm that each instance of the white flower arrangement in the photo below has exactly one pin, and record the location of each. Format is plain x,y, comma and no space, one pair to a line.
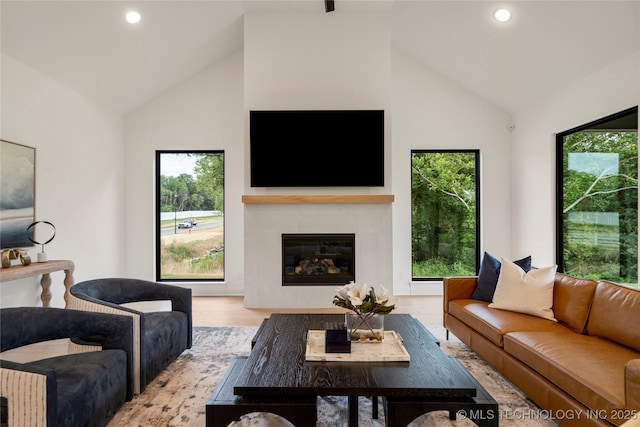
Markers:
364,299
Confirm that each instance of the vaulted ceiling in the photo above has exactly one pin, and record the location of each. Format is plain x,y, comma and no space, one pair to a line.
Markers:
546,46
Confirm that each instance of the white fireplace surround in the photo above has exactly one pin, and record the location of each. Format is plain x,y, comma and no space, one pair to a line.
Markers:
264,225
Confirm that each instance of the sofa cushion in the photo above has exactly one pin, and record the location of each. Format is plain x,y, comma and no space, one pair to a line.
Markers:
572,300
525,292
493,323
615,314
91,386
588,368
488,276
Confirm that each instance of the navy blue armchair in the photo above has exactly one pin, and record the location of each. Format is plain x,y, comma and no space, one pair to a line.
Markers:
158,337
82,389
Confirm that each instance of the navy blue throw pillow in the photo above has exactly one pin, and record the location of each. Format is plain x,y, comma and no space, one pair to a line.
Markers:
488,276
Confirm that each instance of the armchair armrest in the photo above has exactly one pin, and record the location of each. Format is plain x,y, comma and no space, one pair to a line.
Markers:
86,303
36,324
632,385
112,292
124,290
31,394
151,291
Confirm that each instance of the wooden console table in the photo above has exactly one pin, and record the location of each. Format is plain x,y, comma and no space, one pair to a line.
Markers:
45,268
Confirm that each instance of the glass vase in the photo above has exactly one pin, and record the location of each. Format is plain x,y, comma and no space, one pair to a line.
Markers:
366,328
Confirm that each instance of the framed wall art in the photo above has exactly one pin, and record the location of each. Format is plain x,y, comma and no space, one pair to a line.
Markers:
17,193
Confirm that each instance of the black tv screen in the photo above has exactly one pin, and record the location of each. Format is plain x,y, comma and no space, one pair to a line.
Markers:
321,148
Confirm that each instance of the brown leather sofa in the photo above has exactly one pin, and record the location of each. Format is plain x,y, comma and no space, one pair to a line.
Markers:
583,370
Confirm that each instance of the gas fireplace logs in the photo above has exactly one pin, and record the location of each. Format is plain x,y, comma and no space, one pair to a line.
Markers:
316,266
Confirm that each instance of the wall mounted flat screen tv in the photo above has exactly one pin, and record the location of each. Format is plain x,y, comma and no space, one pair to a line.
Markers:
317,148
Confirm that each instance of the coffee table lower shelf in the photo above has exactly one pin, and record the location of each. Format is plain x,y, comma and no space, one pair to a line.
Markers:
481,409
224,407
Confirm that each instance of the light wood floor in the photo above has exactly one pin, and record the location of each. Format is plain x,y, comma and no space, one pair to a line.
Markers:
230,311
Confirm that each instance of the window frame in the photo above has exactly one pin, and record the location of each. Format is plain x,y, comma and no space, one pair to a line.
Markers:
559,185
158,222
476,153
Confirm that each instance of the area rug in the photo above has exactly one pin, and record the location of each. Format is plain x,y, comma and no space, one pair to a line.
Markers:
177,397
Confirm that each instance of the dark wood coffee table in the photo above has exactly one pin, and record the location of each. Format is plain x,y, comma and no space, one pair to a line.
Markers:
276,369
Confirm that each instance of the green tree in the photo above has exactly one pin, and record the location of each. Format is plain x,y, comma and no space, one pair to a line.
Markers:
604,180
443,208
175,192
597,181
209,183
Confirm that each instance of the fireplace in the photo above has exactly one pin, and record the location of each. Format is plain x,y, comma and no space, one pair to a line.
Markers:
318,259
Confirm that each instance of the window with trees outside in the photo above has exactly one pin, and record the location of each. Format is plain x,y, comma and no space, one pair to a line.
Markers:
597,206
444,213
190,215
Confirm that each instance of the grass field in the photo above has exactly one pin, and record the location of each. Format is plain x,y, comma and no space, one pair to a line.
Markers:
193,254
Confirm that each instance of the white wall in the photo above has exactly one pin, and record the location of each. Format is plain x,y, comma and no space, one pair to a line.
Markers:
203,113
316,61
614,88
431,112
78,176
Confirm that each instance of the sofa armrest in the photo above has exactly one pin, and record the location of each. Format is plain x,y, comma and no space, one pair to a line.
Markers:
31,394
632,384
457,288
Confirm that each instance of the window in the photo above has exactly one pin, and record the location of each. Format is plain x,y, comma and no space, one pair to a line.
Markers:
444,213
597,206
190,215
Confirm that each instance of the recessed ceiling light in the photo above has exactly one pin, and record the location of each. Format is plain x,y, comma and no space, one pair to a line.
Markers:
502,15
133,17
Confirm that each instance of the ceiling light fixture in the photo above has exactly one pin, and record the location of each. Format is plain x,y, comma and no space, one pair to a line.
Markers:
133,17
502,15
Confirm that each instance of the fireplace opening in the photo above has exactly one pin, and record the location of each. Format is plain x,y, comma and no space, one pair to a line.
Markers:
318,259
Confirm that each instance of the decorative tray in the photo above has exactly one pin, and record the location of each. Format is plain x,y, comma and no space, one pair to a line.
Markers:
389,350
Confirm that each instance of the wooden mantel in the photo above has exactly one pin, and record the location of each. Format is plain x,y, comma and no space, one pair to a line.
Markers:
319,198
